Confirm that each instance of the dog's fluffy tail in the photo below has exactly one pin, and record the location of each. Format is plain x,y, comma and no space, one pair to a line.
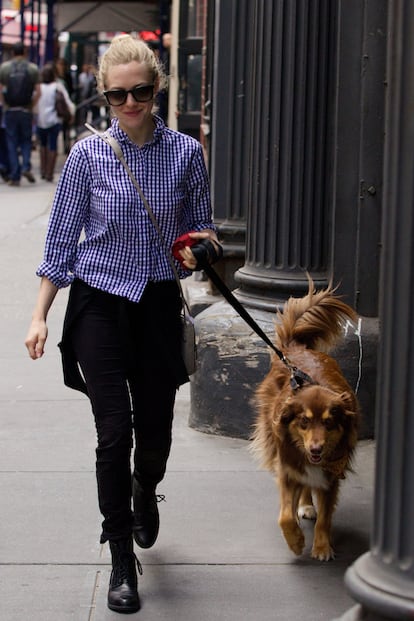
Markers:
315,320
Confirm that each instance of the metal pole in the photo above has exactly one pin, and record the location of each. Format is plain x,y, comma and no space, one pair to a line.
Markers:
39,32
1,31
50,34
22,22
32,32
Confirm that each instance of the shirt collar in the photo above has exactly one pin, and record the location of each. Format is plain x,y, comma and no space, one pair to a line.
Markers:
121,136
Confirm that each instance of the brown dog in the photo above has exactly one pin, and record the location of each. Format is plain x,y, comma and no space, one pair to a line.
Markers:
307,435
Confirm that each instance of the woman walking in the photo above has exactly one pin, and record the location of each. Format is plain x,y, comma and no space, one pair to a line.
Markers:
122,323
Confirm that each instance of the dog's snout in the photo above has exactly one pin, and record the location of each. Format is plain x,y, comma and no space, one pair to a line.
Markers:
316,450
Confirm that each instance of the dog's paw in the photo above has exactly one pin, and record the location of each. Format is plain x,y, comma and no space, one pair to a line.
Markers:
307,512
297,546
294,537
322,552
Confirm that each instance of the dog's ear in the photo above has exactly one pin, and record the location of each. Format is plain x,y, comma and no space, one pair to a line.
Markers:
348,402
347,413
351,418
288,411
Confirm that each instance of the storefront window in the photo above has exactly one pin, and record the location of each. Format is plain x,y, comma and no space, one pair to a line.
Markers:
195,21
194,70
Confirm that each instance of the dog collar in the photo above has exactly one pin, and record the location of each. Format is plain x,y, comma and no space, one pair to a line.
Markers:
337,467
298,377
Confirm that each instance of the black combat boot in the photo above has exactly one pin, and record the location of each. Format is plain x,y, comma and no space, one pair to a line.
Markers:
123,585
146,516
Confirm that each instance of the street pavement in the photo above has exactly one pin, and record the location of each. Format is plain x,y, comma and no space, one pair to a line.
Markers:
220,555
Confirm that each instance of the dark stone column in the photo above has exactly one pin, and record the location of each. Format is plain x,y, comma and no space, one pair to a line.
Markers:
227,123
289,210
231,129
382,580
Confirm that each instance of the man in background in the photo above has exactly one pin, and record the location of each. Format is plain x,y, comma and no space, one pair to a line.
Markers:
19,92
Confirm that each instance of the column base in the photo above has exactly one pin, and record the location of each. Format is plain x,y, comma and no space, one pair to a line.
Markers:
231,362
358,613
271,288
383,591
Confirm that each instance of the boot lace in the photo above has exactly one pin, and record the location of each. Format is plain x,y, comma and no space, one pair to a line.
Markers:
124,566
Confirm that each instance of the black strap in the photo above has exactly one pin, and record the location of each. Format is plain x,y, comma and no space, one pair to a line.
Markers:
297,377
238,307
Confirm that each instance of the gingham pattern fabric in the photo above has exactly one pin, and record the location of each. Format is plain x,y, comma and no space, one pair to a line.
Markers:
99,230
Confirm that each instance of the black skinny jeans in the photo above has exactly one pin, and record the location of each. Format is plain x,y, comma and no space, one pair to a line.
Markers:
132,393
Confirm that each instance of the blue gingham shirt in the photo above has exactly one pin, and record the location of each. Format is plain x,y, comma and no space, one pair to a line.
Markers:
120,251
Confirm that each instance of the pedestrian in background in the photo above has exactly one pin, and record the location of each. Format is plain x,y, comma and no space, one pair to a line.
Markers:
49,124
64,76
122,324
19,92
86,83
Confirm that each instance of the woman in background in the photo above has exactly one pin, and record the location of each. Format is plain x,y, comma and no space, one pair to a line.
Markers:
49,124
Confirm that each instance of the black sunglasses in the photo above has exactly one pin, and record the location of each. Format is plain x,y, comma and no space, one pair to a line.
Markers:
119,96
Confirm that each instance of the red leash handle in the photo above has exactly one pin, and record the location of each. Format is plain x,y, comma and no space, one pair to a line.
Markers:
184,241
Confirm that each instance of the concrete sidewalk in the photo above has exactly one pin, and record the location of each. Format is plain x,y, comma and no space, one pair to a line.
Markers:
220,555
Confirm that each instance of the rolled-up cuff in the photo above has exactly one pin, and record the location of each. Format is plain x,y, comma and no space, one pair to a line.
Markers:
58,278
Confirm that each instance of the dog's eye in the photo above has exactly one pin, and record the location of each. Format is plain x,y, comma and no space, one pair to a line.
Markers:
304,422
329,423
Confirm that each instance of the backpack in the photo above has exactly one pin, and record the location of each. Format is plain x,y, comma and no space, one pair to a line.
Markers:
19,87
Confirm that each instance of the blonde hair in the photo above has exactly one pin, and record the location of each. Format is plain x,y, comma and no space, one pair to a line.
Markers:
125,49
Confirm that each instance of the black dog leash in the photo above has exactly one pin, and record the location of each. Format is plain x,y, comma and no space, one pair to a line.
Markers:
297,377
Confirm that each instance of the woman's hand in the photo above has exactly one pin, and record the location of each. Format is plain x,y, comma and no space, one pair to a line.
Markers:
37,335
189,260
36,338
